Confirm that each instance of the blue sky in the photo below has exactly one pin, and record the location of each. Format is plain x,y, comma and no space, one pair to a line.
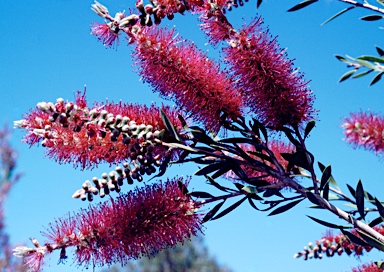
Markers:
47,52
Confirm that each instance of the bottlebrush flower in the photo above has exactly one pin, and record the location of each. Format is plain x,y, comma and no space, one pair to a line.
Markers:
179,71
371,267
276,147
331,244
136,224
365,130
108,33
86,136
271,87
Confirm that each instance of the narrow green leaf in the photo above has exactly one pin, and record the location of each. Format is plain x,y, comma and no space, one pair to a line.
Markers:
169,125
253,205
286,207
221,172
338,14
342,59
327,224
214,183
380,208
210,168
372,17
376,221
371,58
302,5
325,176
366,63
182,187
311,197
351,190
372,241
353,238
347,75
212,212
250,189
230,208
288,132
326,191
360,199
376,78
201,194
311,124
321,166
380,264
363,73
184,147
380,51
258,3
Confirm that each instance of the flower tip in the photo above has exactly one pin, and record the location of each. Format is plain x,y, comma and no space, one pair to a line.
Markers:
19,124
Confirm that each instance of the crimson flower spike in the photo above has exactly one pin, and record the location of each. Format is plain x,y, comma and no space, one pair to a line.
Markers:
136,224
365,130
331,245
179,71
87,136
271,87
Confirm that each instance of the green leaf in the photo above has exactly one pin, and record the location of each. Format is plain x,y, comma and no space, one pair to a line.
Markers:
288,132
286,207
360,199
252,204
210,168
363,73
302,5
311,124
184,147
182,187
365,63
230,208
353,238
169,125
214,183
372,17
327,224
351,190
347,75
380,208
342,59
380,51
376,221
380,264
250,189
201,194
325,176
376,78
212,212
338,14
372,241
258,3
311,197
321,166
326,191
371,58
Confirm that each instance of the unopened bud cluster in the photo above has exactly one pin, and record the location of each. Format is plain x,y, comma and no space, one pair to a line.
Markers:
159,10
143,161
330,246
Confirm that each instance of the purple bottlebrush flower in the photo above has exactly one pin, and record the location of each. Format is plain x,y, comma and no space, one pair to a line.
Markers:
86,136
178,70
365,130
136,224
271,87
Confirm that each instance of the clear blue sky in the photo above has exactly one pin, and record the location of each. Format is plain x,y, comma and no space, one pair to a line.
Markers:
47,52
